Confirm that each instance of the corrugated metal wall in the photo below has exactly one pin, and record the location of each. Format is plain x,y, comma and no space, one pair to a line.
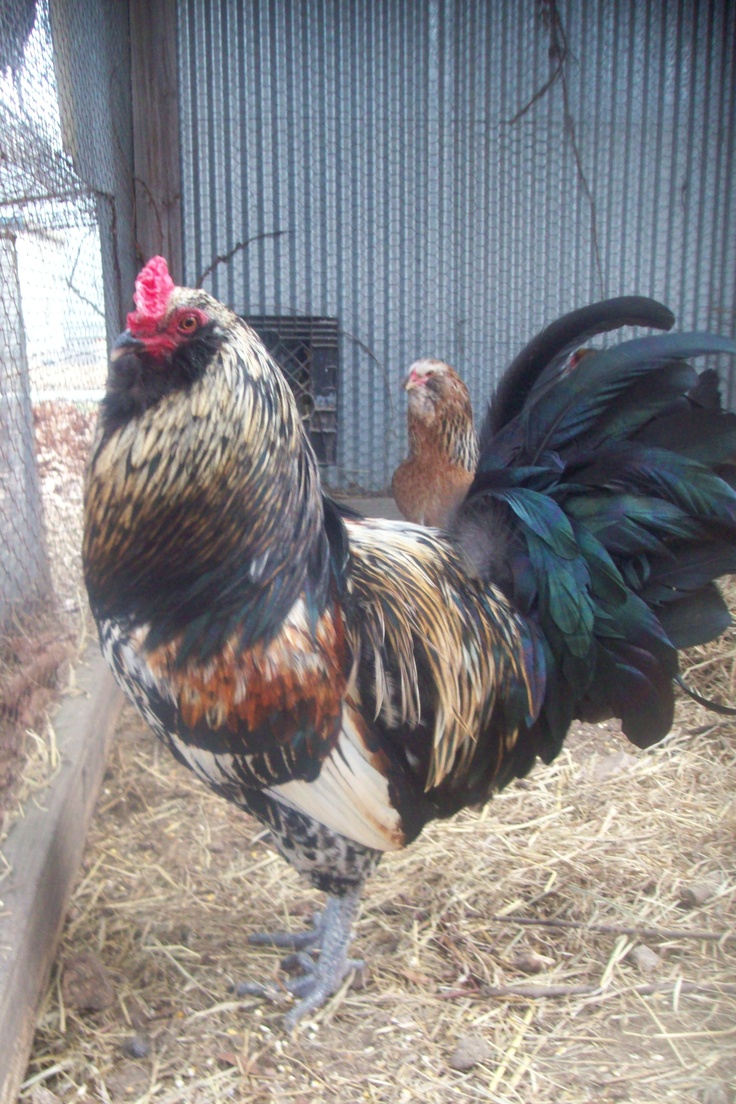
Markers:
385,143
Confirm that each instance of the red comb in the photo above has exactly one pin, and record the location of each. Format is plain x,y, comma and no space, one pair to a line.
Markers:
152,290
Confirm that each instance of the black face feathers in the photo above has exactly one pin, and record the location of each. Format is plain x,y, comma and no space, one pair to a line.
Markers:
137,380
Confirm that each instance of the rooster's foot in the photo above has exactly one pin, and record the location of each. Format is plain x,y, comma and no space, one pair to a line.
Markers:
322,976
291,941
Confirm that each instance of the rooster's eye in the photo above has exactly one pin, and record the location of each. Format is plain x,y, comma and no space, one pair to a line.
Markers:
188,323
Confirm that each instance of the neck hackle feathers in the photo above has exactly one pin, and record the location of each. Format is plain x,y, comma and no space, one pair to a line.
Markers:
153,288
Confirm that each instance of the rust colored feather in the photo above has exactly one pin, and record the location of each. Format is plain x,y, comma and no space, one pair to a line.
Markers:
293,683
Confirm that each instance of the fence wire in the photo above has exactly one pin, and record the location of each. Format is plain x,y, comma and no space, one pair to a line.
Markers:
52,370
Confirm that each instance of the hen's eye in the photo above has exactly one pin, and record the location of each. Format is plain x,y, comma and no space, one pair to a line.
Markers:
188,323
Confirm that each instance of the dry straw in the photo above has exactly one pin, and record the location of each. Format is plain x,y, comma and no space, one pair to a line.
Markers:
574,941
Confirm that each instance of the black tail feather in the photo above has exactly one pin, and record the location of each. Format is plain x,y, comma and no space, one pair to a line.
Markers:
605,483
715,707
560,338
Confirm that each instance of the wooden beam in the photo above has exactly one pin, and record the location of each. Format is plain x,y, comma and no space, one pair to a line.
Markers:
156,148
44,851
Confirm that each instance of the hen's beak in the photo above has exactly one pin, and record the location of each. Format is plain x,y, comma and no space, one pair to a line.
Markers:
413,380
126,343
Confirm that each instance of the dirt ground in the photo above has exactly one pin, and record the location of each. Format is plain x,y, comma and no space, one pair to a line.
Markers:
575,941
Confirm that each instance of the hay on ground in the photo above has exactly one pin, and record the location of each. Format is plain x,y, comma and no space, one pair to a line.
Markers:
573,942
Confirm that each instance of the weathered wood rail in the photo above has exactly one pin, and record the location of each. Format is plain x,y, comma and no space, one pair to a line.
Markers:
44,851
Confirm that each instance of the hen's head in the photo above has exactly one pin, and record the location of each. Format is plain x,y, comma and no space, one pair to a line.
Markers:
432,386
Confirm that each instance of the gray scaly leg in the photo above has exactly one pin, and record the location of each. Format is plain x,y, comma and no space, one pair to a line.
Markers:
331,935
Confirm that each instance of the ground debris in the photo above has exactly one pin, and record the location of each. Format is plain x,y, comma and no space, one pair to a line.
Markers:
86,984
470,1050
716,1093
644,958
529,961
137,1046
127,1083
694,895
601,768
42,1094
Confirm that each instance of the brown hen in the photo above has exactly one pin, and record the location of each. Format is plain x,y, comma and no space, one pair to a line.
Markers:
443,448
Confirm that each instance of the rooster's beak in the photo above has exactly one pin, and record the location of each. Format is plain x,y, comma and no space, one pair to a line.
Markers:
126,343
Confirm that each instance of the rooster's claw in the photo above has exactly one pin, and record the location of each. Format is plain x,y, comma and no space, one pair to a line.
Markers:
320,977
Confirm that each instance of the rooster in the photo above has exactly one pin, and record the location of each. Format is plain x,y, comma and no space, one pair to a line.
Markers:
347,680
443,448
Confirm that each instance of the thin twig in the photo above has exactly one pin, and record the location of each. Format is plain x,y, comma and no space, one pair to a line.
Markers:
539,992
537,95
543,90
154,204
223,258
616,929
536,992
84,298
559,50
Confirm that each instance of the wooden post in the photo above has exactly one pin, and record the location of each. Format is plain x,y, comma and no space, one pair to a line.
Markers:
43,852
155,84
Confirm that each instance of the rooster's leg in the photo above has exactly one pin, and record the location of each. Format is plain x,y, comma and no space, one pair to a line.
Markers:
331,936
336,927
291,941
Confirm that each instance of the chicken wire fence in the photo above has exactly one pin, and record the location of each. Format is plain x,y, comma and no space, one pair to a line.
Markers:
52,365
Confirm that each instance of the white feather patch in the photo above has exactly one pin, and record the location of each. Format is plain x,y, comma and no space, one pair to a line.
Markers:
350,796
210,767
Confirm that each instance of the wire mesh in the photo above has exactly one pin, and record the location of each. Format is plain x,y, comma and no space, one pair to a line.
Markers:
52,369
445,178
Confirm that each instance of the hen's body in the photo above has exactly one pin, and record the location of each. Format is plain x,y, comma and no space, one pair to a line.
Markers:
443,449
348,680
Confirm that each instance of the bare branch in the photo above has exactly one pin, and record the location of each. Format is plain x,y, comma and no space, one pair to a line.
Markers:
559,50
223,258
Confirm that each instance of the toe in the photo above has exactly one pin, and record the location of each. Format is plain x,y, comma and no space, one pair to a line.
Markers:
299,960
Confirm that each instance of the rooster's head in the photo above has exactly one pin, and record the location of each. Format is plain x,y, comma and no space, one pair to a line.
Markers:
201,479
171,339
